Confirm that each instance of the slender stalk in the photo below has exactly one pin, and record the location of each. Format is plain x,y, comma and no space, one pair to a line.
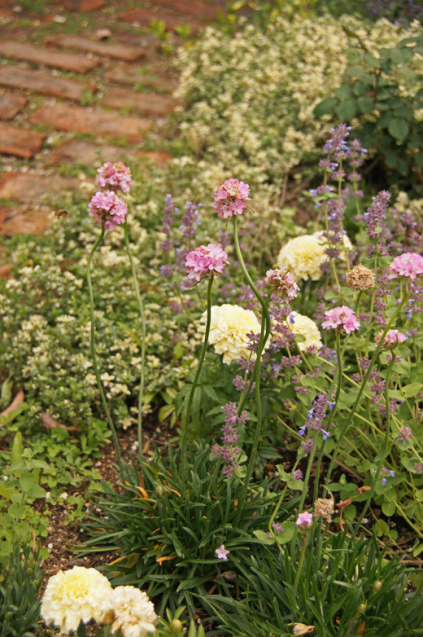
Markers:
385,445
194,385
363,384
304,494
261,345
143,329
300,567
93,354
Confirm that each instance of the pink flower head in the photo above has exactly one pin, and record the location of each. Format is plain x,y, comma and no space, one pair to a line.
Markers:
305,519
229,198
391,340
108,209
222,553
283,282
204,261
341,317
408,264
115,175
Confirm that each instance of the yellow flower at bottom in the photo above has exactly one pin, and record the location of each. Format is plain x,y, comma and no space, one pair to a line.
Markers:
300,324
74,596
229,327
130,610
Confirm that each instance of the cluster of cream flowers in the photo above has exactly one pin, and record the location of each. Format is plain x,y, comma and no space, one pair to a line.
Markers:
229,327
300,324
303,257
83,594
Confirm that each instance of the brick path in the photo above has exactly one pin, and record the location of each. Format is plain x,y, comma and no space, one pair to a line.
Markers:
59,80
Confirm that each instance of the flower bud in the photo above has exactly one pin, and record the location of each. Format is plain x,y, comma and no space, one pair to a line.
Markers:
160,490
176,626
377,586
361,609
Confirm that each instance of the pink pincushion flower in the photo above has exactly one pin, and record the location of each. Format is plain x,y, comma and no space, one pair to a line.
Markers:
115,175
108,209
204,261
391,340
408,264
283,282
229,198
341,317
304,519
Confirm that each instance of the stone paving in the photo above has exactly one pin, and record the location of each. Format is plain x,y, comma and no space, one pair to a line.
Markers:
81,68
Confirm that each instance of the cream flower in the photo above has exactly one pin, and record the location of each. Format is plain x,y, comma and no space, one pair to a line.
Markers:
74,596
300,324
229,327
130,610
303,257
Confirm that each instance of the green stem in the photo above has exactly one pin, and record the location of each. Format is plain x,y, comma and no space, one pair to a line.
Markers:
143,328
194,385
384,447
300,567
93,354
363,384
304,494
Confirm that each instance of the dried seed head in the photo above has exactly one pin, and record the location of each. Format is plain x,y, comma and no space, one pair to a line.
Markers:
360,278
324,508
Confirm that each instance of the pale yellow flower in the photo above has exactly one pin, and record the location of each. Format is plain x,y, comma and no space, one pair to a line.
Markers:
303,257
300,324
130,610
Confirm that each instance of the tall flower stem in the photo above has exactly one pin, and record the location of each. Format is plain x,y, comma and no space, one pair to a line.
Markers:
304,494
300,567
93,354
261,345
363,384
194,385
384,451
143,331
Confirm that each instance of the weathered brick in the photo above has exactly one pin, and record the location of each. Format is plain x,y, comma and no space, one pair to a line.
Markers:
147,103
22,219
20,142
11,104
81,120
55,59
40,82
105,49
76,151
132,75
145,17
33,188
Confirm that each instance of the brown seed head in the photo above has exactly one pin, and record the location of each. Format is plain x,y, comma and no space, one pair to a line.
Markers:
325,508
360,278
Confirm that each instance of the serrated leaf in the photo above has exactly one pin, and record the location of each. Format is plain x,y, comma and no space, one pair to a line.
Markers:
17,448
327,107
344,93
399,129
26,481
365,104
412,389
36,492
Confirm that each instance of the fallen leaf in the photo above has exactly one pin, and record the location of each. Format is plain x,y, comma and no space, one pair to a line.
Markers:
51,423
18,399
361,489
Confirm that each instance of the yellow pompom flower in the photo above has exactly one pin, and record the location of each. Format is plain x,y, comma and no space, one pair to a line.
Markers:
74,596
130,610
303,257
229,327
300,324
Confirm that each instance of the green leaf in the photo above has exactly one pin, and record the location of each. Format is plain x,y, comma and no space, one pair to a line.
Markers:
178,350
412,389
419,159
347,110
381,528
359,89
372,61
262,536
350,512
365,104
388,508
165,412
344,93
17,510
26,481
399,129
6,492
327,107
17,448
287,534
36,492
6,390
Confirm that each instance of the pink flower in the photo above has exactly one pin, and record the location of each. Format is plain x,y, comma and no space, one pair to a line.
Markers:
304,519
392,339
283,282
408,264
222,553
229,198
116,175
204,261
108,209
341,317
